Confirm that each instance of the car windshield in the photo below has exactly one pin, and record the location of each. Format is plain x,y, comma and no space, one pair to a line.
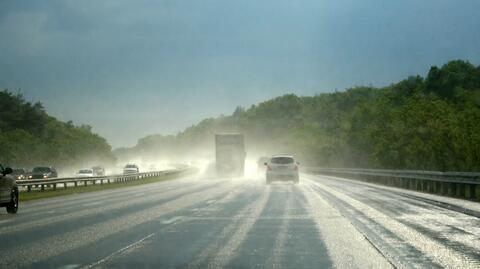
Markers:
18,171
41,170
85,171
282,160
131,166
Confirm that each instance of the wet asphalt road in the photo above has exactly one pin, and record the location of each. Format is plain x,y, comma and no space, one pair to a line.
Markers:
240,223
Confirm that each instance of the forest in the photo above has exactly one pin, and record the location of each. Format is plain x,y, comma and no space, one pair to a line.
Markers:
30,137
424,123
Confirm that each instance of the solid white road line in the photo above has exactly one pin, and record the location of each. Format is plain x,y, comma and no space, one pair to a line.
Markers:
346,246
439,253
118,252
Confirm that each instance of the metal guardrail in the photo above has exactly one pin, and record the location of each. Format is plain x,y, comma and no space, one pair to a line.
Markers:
455,184
53,183
453,177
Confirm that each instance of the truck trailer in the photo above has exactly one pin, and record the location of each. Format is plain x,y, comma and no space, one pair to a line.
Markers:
230,154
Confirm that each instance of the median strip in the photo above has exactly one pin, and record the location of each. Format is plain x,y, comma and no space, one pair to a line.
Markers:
90,185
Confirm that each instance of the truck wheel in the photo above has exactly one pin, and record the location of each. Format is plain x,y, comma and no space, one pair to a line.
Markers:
12,207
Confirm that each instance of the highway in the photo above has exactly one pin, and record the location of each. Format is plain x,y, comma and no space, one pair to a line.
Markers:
197,222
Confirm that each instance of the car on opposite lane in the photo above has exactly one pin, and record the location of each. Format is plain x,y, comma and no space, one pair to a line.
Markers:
98,171
282,168
8,190
131,169
87,172
43,172
19,173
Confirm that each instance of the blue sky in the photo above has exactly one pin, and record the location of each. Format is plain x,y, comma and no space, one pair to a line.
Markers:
133,68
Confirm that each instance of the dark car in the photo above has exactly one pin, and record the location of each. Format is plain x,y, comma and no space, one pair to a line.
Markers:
19,173
98,171
43,172
8,190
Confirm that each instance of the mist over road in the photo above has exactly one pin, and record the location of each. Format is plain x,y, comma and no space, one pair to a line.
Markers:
240,223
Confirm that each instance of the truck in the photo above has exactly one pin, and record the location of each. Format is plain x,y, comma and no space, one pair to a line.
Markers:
230,154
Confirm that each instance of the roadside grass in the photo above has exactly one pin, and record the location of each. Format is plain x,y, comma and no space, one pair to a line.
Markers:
49,193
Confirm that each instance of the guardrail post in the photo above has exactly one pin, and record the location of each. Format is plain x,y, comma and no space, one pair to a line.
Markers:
29,188
418,185
460,190
443,188
437,187
85,183
469,191
65,185
42,187
477,191
54,186
75,183
411,184
430,186
452,190
101,181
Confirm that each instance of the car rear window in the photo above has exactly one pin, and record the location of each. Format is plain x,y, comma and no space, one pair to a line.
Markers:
85,171
18,171
41,170
282,160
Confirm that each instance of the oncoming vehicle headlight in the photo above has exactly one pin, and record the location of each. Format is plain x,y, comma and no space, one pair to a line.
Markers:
44,176
29,177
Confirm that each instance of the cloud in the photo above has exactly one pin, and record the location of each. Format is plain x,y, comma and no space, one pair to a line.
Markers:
118,63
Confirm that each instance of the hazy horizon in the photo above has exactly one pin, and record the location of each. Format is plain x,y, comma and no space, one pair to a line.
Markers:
131,69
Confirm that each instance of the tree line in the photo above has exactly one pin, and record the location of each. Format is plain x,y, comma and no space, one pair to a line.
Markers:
30,137
428,123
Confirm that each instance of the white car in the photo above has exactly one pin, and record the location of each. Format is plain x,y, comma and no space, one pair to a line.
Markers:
87,172
131,169
282,168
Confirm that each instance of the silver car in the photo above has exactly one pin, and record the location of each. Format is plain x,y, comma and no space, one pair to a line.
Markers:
283,168
8,190
131,169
